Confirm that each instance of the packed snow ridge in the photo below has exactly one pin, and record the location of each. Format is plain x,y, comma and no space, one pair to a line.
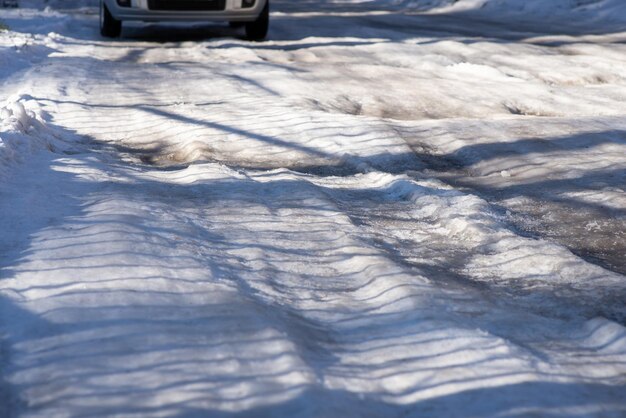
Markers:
388,209
22,131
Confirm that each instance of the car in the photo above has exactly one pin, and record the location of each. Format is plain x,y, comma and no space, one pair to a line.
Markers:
253,14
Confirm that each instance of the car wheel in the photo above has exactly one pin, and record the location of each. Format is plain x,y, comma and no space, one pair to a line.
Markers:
109,26
257,30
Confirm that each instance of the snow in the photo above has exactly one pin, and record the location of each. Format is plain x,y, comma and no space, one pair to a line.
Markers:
591,10
22,131
387,209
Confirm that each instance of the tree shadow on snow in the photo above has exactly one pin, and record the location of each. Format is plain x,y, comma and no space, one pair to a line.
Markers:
123,343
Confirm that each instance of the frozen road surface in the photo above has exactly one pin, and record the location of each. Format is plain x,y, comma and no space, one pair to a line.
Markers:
388,209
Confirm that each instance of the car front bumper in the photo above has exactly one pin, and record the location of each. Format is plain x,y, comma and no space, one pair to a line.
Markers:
139,11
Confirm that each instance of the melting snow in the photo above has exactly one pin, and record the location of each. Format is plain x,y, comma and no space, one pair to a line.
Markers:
376,212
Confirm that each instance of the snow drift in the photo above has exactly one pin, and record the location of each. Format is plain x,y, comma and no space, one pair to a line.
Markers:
21,126
24,131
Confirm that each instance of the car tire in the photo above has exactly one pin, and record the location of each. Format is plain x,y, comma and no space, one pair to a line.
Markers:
109,26
236,25
257,30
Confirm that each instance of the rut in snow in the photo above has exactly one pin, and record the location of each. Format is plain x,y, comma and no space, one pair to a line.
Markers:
214,227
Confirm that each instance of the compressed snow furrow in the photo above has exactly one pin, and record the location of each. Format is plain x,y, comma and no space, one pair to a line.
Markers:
341,319
557,178
210,136
389,296
177,300
91,299
493,252
523,376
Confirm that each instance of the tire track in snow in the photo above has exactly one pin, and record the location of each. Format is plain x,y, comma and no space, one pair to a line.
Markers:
128,304
207,289
534,178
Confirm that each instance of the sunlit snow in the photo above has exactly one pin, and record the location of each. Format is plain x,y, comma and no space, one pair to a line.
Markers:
388,209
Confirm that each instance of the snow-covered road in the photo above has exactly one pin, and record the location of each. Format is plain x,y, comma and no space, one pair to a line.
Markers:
376,213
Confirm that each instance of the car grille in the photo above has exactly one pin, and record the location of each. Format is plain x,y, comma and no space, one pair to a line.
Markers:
181,5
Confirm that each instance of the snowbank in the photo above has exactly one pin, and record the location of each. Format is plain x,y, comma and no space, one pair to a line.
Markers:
23,131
